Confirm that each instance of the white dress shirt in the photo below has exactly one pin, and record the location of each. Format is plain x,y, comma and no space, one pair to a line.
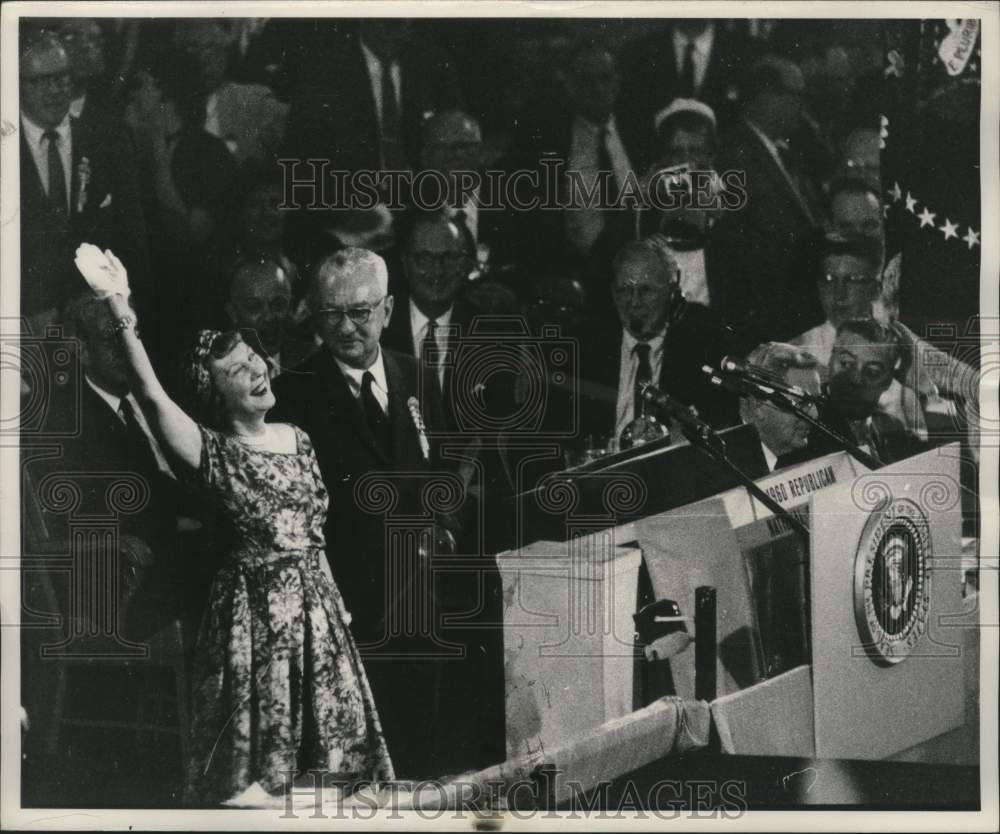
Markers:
39,147
897,400
770,457
115,403
375,74
702,54
628,370
584,225
355,377
418,327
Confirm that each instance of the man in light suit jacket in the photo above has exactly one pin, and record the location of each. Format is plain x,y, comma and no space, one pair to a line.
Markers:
78,184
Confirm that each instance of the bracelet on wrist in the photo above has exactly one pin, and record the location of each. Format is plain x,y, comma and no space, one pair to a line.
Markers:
124,323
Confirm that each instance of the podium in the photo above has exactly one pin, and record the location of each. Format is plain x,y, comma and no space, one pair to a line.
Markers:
840,639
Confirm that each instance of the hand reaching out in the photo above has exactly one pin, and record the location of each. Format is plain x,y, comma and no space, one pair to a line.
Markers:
102,271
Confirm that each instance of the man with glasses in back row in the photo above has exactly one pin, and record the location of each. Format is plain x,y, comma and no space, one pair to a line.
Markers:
358,402
78,183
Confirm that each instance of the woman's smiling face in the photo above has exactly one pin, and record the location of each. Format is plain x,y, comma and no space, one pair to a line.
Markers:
240,379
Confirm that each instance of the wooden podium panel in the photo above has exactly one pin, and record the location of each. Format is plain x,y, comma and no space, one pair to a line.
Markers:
886,576
568,638
706,543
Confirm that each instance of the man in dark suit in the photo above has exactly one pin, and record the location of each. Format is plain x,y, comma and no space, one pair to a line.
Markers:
582,166
260,305
866,358
361,107
784,437
762,242
661,339
113,439
77,184
359,404
430,317
83,41
692,58
451,143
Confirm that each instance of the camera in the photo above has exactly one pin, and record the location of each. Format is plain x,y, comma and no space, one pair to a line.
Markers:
50,379
502,379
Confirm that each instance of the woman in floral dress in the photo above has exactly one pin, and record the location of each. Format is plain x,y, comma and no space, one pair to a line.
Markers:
279,687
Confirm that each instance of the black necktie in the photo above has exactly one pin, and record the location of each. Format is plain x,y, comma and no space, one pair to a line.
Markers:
391,136
644,373
139,449
57,174
687,75
378,422
429,352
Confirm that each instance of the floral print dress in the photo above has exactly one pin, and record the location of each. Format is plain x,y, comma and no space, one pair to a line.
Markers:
278,683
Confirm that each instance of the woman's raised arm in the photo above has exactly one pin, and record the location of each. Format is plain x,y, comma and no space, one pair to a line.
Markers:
178,433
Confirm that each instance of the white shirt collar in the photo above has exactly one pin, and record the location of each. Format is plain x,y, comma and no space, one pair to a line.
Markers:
33,132
113,401
587,126
769,456
655,344
354,376
371,58
418,321
702,43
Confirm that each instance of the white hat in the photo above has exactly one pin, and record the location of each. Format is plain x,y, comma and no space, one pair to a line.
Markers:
683,105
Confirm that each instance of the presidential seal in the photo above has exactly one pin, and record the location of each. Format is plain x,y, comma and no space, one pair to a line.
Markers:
892,582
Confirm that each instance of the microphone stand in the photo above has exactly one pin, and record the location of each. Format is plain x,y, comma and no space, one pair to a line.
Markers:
763,391
715,447
785,403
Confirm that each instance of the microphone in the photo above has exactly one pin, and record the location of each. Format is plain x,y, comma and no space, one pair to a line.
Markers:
737,384
683,414
764,379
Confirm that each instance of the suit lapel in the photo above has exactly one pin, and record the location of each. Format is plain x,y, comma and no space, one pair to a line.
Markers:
345,407
398,336
779,173
403,430
32,191
78,132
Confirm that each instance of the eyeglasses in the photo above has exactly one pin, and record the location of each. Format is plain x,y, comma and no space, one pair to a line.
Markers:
645,295
855,278
450,261
51,79
357,315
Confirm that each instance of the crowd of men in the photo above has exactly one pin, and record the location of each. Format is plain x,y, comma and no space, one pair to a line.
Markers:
186,147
